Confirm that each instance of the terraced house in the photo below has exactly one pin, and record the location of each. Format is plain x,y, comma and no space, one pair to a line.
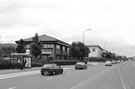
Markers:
52,47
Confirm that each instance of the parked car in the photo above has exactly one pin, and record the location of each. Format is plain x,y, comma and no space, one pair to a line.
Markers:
80,65
51,69
108,63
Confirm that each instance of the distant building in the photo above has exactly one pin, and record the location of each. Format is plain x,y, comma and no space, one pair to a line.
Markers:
52,47
95,51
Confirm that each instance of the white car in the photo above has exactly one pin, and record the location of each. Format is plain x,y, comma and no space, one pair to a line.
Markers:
108,63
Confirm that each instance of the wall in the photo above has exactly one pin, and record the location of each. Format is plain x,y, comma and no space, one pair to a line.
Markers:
95,52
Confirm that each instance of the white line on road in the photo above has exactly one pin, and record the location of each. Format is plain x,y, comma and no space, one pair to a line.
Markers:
49,78
83,82
12,75
122,79
12,88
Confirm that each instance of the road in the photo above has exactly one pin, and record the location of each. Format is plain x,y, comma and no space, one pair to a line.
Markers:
118,76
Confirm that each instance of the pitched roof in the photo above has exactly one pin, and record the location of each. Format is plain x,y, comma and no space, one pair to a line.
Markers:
45,38
95,46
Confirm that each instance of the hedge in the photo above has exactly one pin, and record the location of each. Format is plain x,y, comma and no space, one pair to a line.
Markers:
10,66
97,59
64,62
37,64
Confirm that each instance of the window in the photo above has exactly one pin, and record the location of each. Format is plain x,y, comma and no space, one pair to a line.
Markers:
93,49
45,45
27,46
57,46
63,48
48,46
52,46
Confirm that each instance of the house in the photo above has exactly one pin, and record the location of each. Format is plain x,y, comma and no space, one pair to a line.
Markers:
95,51
52,47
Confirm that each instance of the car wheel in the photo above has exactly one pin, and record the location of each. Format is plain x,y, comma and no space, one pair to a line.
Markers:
42,73
53,73
61,72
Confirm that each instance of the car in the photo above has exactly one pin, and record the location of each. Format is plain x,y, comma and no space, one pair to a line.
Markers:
51,69
108,63
118,61
80,65
114,61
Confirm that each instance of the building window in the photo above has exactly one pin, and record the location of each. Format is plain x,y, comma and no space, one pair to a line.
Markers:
93,49
45,45
63,48
27,46
48,46
68,49
51,45
57,46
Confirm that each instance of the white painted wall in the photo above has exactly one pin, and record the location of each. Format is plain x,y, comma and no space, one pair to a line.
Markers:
96,53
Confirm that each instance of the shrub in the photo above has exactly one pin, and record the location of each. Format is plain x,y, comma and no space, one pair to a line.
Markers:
37,64
97,59
64,62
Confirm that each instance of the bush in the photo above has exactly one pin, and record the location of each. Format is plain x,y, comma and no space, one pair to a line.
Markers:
96,59
37,64
10,66
64,62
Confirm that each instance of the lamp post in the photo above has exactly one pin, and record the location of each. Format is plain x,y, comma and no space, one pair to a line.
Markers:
84,33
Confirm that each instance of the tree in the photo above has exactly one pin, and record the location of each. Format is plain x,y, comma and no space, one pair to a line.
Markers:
20,47
78,50
6,51
36,46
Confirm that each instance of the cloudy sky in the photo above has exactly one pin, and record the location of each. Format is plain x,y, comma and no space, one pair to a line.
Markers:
112,22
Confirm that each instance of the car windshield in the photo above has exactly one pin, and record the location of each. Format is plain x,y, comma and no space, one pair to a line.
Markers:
80,63
108,61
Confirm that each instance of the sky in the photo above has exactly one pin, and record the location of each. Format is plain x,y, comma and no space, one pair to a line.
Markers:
111,22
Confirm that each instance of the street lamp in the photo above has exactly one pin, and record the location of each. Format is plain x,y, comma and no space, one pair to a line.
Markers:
84,33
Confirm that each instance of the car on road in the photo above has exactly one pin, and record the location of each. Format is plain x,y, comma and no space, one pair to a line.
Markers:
118,61
80,65
51,69
108,63
114,61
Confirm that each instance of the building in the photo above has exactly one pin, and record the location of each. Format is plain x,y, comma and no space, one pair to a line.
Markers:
52,47
95,51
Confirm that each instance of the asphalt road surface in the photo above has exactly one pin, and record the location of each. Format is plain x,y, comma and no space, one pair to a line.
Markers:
118,76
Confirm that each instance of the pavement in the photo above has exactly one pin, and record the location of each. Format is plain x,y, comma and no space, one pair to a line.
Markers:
8,71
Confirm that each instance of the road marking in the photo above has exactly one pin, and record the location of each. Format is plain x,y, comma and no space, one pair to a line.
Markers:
49,78
68,68
83,82
94,63
12,88
122,79
12,75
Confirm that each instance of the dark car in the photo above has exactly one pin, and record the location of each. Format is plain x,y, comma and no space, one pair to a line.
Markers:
80,65
51,69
